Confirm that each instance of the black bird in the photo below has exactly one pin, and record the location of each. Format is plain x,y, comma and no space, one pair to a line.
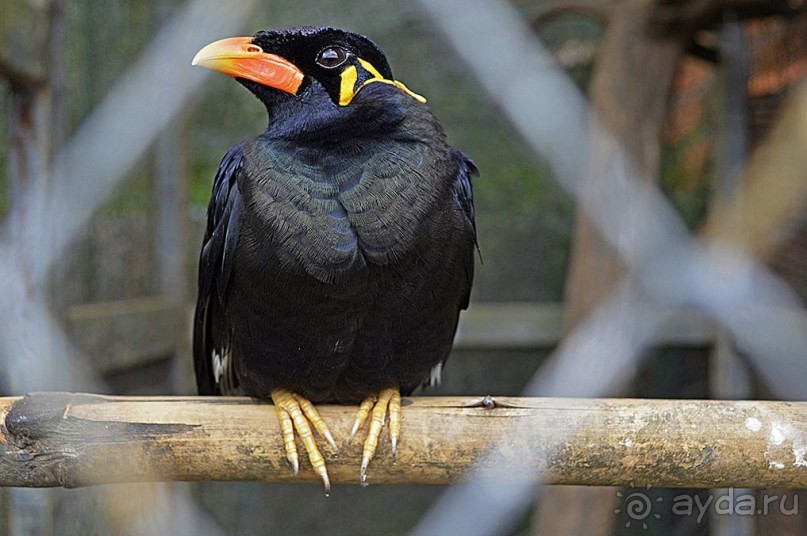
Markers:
340,242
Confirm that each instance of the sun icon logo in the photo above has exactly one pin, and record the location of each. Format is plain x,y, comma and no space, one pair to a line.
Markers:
638,506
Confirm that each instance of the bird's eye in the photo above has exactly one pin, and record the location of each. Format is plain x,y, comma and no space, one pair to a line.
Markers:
332,57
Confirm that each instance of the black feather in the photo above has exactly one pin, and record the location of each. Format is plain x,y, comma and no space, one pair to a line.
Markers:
215,266
340,243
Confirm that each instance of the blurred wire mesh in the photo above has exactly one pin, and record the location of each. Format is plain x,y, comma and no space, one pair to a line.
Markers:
719,272
667,266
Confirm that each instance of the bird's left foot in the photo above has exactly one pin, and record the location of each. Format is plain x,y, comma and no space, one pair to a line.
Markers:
387,399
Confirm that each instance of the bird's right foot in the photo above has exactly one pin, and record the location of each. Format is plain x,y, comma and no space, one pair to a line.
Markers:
294,413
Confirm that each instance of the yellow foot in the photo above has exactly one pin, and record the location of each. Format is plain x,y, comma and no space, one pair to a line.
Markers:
387,398
294,412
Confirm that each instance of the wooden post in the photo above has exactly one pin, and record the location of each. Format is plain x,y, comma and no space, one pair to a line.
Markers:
64,439
28,63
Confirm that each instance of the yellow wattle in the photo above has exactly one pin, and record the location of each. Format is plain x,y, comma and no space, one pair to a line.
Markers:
349,77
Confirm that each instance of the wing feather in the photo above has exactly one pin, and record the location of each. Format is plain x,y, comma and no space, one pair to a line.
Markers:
463,191
211,346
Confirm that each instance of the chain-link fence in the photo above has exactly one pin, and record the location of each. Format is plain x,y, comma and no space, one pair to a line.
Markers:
720,270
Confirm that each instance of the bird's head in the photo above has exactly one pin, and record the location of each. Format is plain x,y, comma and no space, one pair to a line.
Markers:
314,71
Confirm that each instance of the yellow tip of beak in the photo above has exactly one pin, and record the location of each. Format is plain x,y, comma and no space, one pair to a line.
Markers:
240,58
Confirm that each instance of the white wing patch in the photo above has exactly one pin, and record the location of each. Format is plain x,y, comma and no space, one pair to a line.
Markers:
219,361
436,375
223,370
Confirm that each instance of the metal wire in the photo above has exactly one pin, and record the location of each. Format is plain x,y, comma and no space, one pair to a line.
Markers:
668,266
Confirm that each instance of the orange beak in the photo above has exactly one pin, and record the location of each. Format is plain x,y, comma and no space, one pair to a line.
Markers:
238,57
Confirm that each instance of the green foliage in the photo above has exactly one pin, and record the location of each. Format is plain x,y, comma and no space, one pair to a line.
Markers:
135,195
572,37
687,167
688,190
226,114
101,44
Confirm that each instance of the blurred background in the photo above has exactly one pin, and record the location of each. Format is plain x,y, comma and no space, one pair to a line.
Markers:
109,141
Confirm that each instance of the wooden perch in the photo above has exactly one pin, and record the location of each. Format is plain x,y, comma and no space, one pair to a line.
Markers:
64,439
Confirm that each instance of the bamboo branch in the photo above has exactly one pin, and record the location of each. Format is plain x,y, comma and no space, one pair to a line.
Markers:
64,439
